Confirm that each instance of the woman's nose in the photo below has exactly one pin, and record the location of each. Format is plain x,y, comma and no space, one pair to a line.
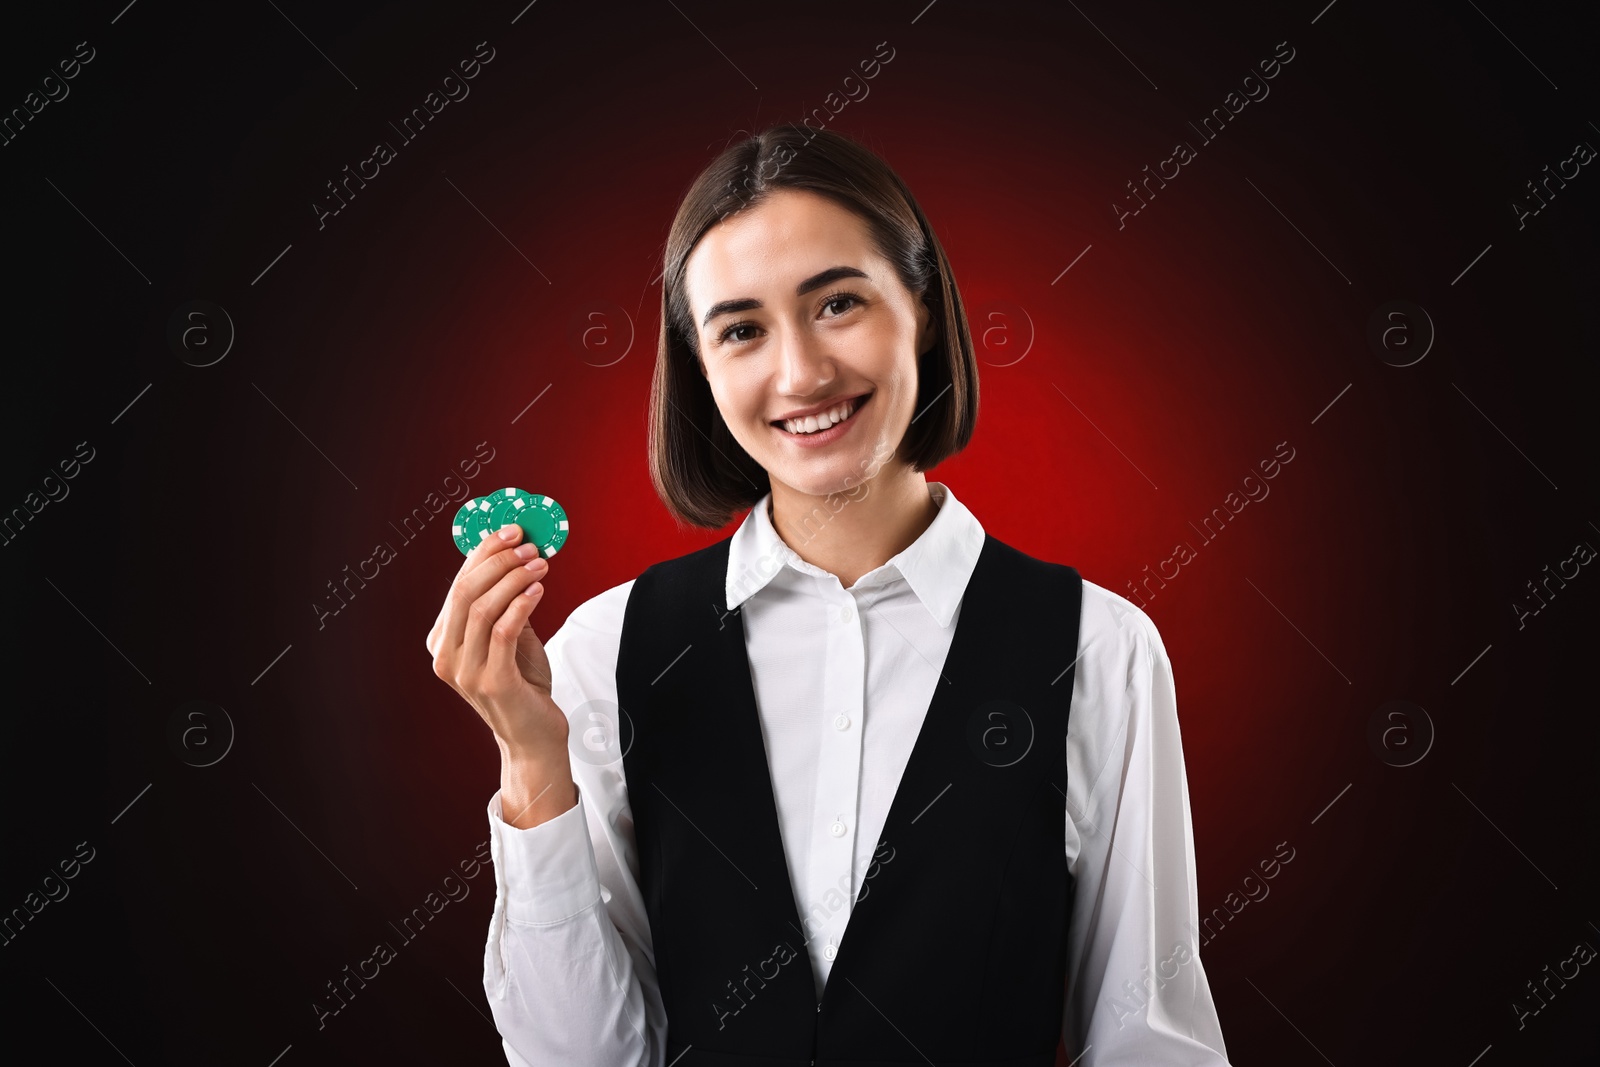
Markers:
804,364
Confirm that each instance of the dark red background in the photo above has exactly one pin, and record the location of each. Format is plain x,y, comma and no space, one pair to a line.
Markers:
1196,338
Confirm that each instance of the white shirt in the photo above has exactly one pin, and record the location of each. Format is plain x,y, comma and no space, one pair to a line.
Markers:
568,968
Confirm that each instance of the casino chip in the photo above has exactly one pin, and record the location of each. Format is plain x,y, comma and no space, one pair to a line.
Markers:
543,521
471,520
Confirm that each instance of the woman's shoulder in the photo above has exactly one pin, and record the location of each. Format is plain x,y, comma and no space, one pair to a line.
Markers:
1115,630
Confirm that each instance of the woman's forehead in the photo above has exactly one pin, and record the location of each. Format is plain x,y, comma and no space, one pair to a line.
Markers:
769,248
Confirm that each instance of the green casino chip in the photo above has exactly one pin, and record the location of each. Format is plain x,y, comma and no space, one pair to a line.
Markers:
471,521
543,521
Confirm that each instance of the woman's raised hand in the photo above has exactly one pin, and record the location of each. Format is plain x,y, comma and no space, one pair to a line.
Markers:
484,646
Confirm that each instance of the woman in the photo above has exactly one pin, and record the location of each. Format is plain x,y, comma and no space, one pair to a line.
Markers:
827,824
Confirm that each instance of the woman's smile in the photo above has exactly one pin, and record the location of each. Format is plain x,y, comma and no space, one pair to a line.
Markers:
825,427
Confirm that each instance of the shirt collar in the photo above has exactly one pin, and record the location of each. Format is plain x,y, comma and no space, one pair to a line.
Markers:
937,565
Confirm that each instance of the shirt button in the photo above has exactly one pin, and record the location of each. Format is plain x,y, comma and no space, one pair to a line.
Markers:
845,614
837,830
828,954
842,722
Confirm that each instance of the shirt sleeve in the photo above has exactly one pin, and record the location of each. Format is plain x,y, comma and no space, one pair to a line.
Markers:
569,970
1136,991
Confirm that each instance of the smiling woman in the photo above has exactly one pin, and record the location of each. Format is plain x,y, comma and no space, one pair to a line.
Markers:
871,285
801,694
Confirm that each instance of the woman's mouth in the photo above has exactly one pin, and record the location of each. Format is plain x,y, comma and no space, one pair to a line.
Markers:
820,429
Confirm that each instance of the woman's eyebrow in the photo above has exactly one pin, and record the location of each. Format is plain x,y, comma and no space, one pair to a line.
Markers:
816,281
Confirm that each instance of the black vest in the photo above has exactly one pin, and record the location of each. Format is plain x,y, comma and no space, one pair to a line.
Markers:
956,945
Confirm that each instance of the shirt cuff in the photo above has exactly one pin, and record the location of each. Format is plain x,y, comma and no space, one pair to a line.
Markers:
546,873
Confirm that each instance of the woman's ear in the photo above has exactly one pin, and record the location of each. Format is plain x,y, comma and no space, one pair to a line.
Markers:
927,327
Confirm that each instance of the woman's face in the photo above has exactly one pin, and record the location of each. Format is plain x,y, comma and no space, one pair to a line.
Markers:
796,312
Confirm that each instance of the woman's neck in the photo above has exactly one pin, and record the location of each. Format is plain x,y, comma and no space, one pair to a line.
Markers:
850,533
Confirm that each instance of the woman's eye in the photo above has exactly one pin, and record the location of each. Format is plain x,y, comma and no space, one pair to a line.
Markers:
849,299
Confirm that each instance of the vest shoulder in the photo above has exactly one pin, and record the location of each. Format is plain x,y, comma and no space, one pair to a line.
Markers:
695,568
1043,567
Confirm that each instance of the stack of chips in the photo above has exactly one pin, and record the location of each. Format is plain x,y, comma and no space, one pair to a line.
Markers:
543,522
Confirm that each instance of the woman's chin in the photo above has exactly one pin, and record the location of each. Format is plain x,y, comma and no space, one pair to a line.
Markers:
822,479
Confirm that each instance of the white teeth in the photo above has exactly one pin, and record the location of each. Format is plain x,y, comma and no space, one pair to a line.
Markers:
813,423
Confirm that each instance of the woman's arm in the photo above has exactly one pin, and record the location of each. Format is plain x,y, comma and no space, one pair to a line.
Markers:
1136,991
568,967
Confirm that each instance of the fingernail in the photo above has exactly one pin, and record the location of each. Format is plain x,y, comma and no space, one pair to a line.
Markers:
525,551
535,565
510,532
532,589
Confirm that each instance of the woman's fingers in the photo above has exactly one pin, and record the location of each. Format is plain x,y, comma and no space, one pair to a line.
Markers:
486,565
508,644
487,609
487,545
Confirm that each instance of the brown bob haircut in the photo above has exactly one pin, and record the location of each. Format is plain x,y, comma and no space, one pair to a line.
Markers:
698,469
